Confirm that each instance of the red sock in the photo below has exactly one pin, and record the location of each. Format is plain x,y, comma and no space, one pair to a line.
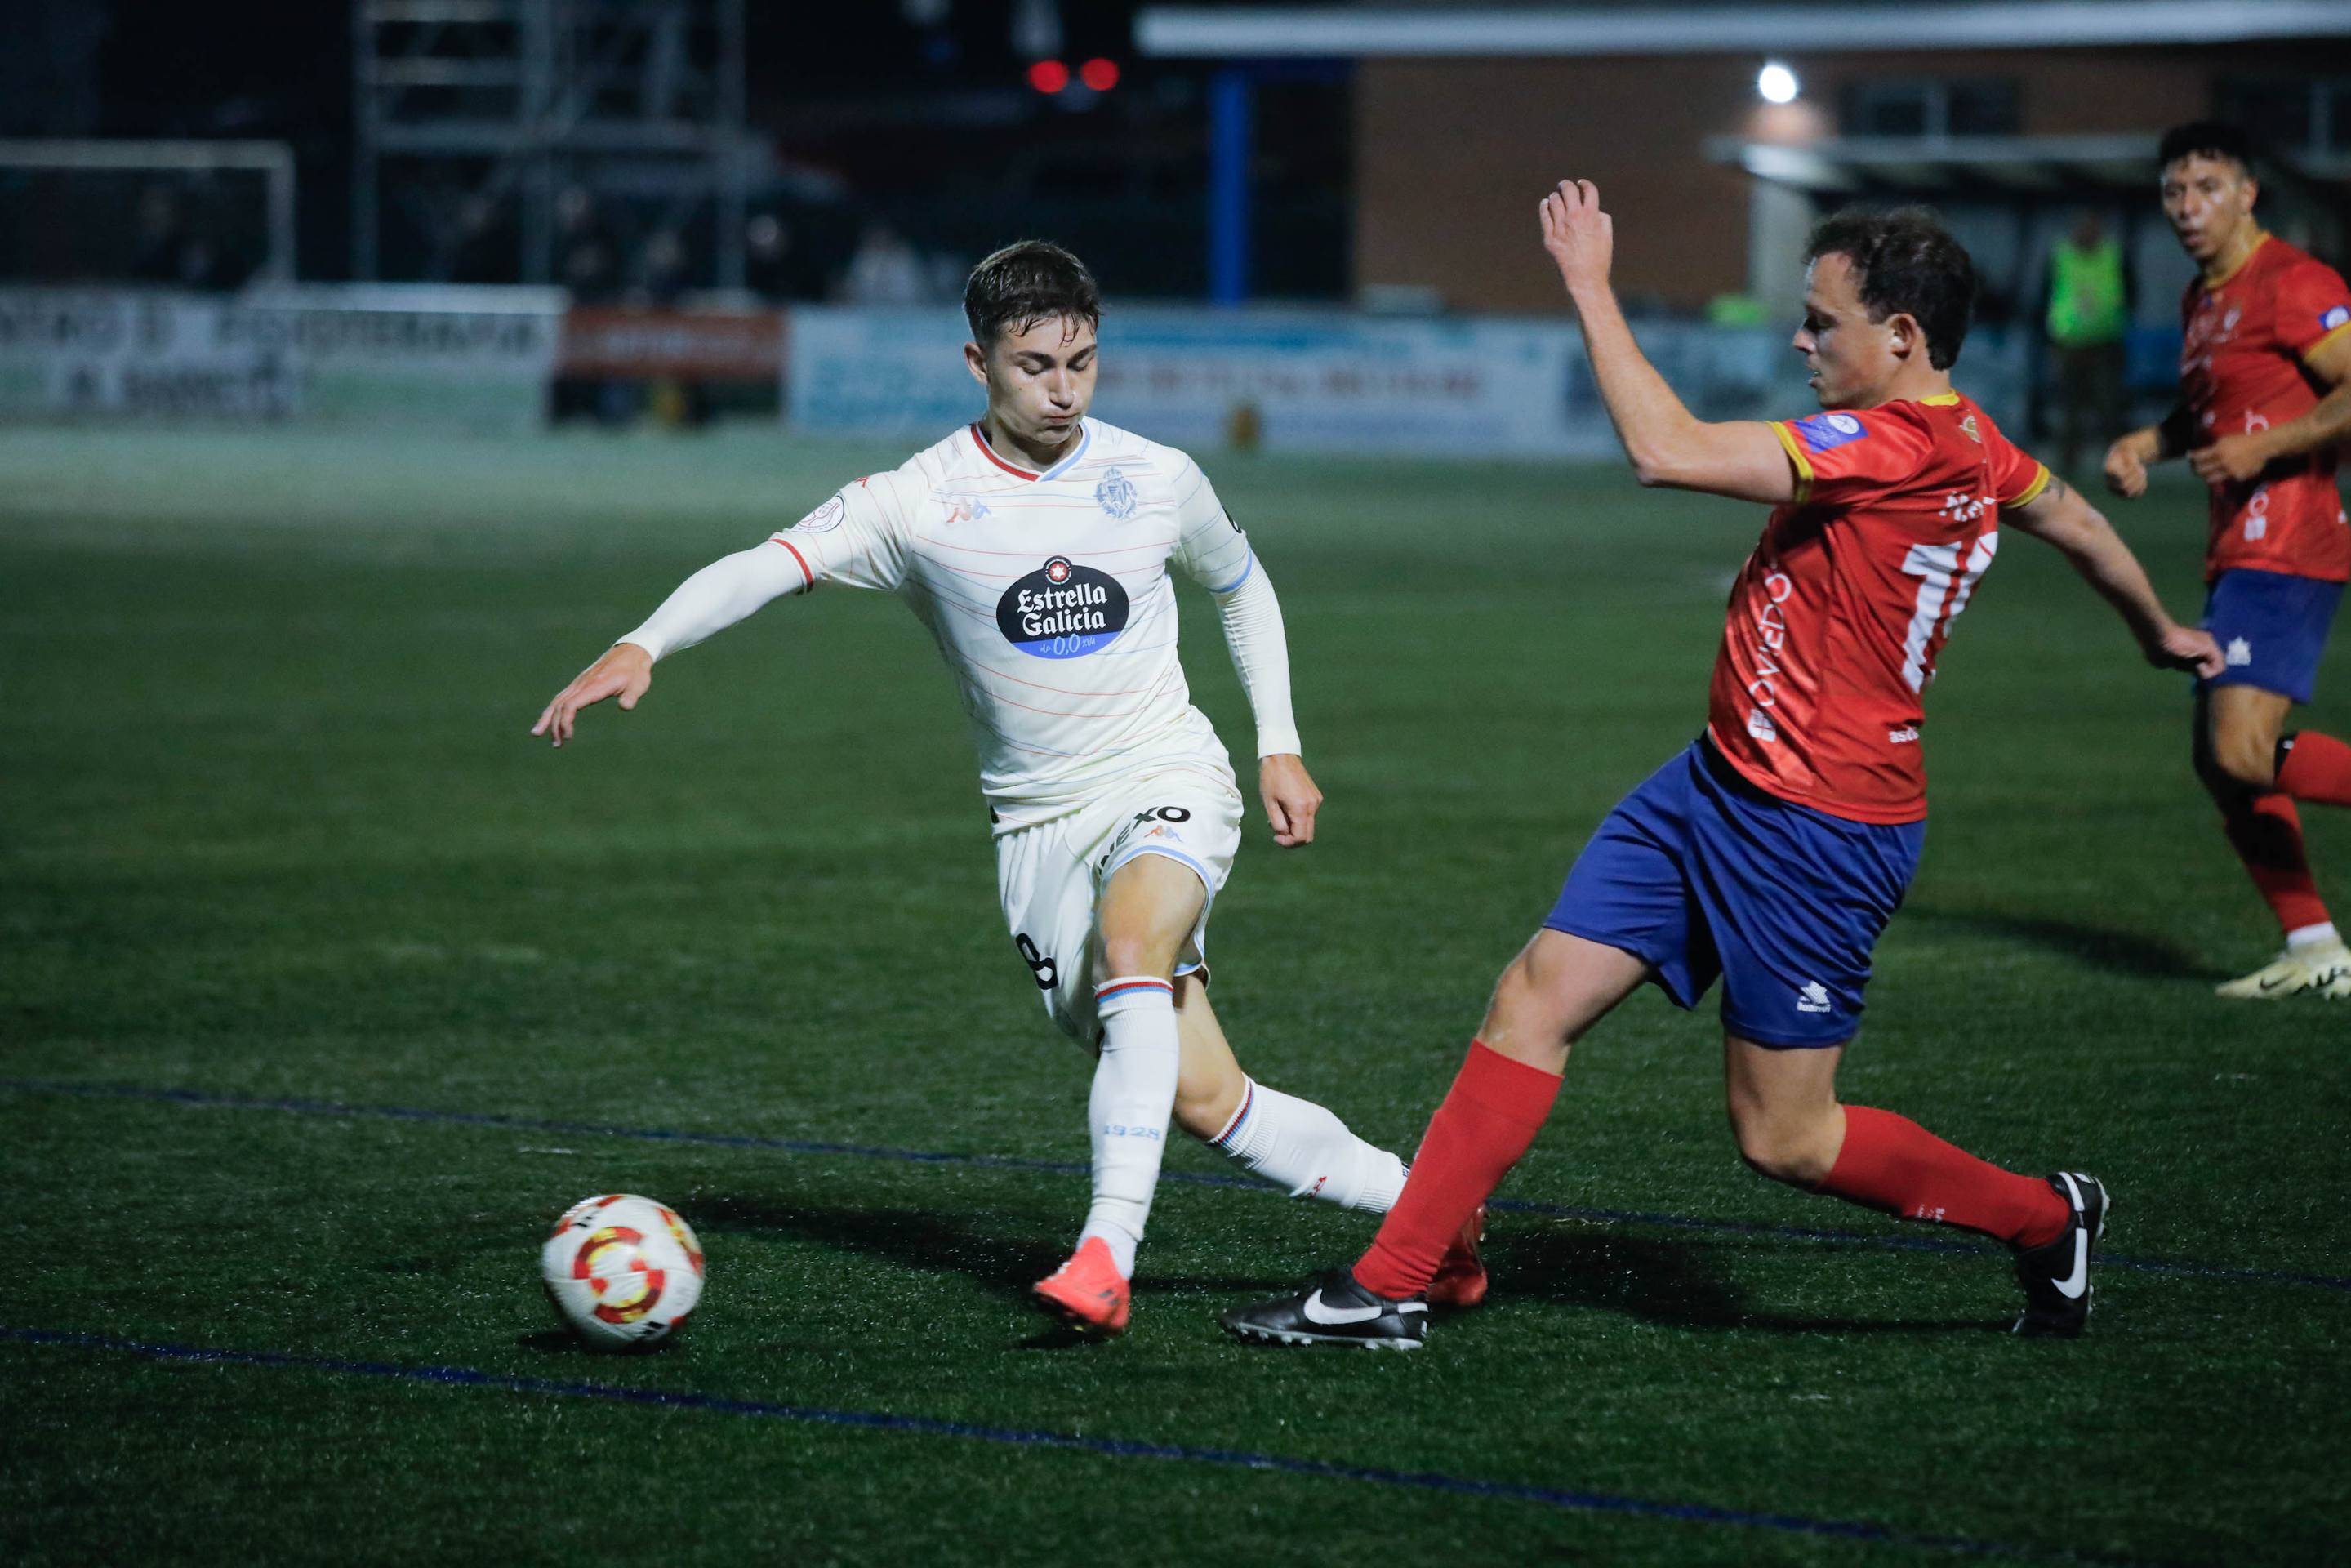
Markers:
2316,767
1490,1115
2267,834
1893,1164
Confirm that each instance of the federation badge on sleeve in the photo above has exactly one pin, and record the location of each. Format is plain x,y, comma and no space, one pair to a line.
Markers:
1827,432
824,520
2338,316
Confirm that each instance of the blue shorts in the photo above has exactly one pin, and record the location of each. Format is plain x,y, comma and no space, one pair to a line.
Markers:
1699,873
2271,628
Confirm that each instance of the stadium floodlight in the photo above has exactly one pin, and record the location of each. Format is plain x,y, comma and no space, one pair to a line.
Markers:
1776,82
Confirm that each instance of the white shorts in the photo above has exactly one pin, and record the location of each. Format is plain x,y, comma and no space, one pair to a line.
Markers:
1051,877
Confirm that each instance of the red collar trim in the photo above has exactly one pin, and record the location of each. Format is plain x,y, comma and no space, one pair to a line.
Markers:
989,452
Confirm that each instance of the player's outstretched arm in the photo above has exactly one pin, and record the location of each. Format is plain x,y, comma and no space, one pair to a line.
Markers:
2060,515
2233,459
709,602
1667,443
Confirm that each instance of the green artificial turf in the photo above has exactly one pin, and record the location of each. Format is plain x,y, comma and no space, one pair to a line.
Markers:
271,832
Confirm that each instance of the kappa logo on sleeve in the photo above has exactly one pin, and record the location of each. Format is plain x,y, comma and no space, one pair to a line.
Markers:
2338,316
1827,432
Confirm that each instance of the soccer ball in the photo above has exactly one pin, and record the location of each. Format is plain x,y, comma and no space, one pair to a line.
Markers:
623,1270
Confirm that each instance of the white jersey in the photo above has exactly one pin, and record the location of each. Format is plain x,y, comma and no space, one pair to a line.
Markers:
1050,596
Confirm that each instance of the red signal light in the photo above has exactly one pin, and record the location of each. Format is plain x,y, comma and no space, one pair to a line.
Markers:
1100,75
1049,76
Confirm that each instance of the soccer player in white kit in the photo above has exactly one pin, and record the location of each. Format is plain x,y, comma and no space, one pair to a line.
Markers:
1035,545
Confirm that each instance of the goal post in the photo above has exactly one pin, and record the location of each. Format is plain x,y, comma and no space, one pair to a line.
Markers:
81,210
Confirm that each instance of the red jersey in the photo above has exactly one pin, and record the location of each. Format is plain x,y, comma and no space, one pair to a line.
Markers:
1837,618
2244,366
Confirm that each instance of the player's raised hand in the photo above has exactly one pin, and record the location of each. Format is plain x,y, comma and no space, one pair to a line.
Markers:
624,672
2232,460
2187,648
1581,239
1290,799
2126,468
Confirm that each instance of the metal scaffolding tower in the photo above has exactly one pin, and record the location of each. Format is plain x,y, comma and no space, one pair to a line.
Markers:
637,102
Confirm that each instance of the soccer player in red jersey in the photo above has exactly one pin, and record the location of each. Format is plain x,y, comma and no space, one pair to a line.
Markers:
1772,852
2265,400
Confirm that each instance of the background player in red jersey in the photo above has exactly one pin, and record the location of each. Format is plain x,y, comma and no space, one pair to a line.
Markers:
1772,853
2265,399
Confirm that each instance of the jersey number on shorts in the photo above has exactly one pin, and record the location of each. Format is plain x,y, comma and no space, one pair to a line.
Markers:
1940,598
1046,973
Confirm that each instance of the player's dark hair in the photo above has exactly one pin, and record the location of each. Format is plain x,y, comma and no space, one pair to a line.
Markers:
2204,139
1906,263
1027,282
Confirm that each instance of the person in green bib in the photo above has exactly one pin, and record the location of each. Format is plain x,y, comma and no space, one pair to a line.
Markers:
2089,311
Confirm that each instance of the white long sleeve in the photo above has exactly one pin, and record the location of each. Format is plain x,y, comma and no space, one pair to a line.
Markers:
718,596
1251,616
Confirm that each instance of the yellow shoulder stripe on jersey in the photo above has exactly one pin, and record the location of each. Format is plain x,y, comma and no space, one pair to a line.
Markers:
1795,455
2041,477
2313,351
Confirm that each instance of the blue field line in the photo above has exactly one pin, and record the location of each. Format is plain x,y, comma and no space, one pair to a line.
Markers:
1972,1246
1109,1447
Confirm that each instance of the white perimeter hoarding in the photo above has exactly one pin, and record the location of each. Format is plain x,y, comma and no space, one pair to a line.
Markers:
1326,382
367,353
1309,381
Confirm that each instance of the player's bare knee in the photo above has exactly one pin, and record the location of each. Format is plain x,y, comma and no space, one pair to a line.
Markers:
1796,1150
1138,953
1206,1101
1525,1008
1788,1155
2238,764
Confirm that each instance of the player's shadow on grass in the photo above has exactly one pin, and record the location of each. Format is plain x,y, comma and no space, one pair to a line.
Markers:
2096,946
1671,1282
916,1239
919,1239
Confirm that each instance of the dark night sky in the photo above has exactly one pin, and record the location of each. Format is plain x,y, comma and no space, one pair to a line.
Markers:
283,68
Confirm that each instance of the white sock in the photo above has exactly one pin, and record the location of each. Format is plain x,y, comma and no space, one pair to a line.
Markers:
2316,936
1300,1147
1127,1112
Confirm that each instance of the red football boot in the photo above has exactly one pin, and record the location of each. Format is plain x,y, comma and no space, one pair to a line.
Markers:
1089,1294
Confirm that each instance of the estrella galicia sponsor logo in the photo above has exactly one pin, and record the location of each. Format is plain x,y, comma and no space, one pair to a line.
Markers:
1062,611
1117,494
1827,432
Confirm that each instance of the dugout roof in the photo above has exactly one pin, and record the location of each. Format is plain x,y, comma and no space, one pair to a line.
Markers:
1643,28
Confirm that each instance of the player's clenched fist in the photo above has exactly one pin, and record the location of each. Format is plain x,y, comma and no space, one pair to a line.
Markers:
1579,236
1290,799
2127,462
624,672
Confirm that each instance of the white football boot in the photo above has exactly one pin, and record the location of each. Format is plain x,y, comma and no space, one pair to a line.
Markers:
2322,968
